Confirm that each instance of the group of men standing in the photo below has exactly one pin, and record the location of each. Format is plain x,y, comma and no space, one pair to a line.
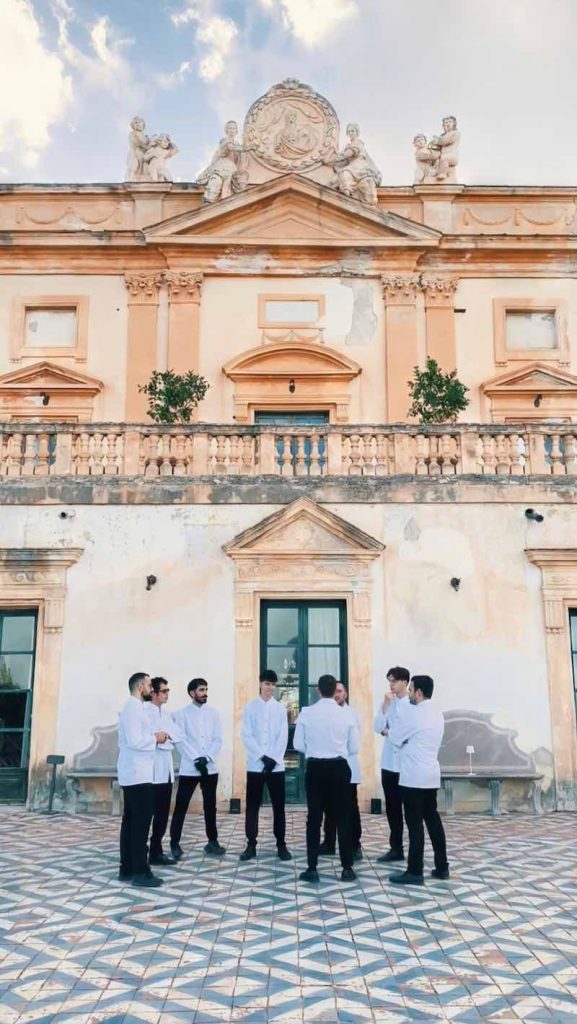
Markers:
326,733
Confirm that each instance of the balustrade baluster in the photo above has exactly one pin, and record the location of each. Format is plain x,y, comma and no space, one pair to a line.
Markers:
234,463
15,455
165,454
247,463
315,468
29,465
152,468
301,468
448,455
421,455
489,457
96,454
382,455
220,465
82,461
355,468
570,446
346,456
502,456
287,456
516,447
557,462
179,455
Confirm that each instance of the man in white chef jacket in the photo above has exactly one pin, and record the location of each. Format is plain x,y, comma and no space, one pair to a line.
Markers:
137,742
418,733
162,721
328,845
265,738
394,701
199,745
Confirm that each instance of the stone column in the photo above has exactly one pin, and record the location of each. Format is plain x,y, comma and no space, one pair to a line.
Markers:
184,292
440,320
142,339
400,294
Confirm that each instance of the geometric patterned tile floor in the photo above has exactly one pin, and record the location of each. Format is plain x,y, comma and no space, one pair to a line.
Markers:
224,941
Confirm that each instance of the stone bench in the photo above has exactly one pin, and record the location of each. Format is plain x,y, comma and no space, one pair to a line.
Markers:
75,775
494,780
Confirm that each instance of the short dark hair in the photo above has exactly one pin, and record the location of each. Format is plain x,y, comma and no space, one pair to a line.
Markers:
194,684
399,674
135,680
425,684
157,682
268,676
327,686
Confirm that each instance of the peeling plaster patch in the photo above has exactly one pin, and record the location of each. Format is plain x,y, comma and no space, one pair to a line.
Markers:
444,547
357,263
249,264
412,530
364,320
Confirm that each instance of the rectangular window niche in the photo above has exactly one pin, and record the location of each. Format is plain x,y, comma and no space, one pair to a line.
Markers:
528,330
49,326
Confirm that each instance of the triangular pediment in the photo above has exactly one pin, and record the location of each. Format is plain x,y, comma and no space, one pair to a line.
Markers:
49,377
538,377
292,210
306,530
279,360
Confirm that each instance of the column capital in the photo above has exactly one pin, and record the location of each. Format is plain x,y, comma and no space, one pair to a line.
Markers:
439,290
400,289
183,285
143,286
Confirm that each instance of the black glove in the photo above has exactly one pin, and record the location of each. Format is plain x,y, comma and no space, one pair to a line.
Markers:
269,764
201,765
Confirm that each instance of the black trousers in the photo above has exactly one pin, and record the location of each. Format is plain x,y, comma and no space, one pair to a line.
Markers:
255,783
162,798
136,818
393,808
327,784
355,821
186,787
421,808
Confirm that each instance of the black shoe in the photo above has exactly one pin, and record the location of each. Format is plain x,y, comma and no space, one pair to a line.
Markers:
124,876
176,851
310,875
390,856
348,875
326,851
249,853
283,853
146,881
443,874
357,854
406,878
214,849
161,858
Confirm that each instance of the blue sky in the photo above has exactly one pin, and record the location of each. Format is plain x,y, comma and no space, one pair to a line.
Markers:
74,72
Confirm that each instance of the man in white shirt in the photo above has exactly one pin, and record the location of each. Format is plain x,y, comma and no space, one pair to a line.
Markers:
418,733
397,698
161,720
137,741
327,735
199,745
328,845
265,738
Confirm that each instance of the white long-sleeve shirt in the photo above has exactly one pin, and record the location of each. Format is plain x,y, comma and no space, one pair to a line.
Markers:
162,721
353,759
136,744
264,733
418,733
390,757
201,736
325,730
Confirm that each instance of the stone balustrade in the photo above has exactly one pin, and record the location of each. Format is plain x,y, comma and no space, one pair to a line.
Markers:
208,450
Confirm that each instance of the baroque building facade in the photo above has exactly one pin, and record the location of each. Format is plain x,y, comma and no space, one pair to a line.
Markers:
302,521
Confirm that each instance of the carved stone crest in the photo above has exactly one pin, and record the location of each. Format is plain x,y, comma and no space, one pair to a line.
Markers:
291,127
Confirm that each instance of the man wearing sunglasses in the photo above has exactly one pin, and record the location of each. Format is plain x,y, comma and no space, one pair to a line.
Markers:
162,721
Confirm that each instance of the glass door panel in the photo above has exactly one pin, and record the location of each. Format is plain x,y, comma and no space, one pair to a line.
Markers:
17,644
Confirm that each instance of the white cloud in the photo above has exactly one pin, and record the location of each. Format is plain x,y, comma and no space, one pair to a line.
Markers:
311,21
214,33
35,90
172,78
104,65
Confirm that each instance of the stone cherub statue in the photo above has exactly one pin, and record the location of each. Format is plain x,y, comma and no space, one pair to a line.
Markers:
357,175
436,160
147,157
226,172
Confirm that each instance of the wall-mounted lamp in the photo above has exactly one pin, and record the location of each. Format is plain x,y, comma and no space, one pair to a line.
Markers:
292,386
455,582
537,401
45,398
150,581
535,517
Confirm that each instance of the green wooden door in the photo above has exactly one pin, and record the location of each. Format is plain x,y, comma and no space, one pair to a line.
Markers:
17,644
302,640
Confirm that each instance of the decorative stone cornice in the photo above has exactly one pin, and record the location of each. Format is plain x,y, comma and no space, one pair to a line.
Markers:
143,287
559,570
38,573
439,291
183,285
400,289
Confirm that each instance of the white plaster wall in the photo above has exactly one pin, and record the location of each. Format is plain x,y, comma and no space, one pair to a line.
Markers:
484,646
475,331
229,326
107,331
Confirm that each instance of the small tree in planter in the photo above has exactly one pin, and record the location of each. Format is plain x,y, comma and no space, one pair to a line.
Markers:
172,397
437,397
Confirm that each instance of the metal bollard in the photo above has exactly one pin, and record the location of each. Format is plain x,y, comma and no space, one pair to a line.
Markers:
54,760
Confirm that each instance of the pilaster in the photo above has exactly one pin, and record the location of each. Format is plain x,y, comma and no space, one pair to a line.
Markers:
400,294
439,295
142,339
184,295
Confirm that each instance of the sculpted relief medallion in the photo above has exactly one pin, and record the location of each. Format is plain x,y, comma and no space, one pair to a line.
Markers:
291,127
